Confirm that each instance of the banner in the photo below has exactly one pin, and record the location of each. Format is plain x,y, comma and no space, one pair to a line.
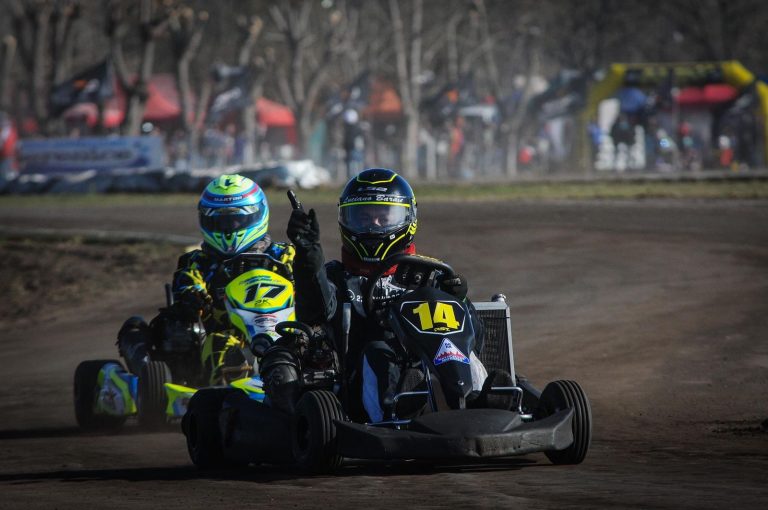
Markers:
69,155
236,94
90,86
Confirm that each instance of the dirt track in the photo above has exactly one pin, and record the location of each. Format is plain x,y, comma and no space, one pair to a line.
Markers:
657,308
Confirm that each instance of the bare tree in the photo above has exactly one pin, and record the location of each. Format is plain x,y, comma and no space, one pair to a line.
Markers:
312,42
7,57
714,28
247,58
120,20
408,55
186,29
43,33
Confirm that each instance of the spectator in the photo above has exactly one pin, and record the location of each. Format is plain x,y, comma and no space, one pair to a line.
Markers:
354,143
623,136
8,138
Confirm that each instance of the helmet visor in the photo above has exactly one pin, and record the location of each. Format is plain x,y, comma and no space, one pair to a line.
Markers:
368,218
227,220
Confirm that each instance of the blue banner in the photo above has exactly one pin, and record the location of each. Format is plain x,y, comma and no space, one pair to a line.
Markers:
70,155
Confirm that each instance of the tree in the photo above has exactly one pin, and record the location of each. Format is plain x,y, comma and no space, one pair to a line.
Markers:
408,55
43,32
7,56
120,19
250,30
312,42
186,30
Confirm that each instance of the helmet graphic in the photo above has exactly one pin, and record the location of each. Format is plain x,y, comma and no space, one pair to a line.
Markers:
233,214
377,214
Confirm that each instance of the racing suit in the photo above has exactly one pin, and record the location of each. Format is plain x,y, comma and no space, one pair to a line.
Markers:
375,356
198,291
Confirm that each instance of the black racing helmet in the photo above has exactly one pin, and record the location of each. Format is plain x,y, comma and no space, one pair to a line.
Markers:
377,214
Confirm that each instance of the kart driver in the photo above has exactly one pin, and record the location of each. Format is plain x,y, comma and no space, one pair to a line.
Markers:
234,218
377,219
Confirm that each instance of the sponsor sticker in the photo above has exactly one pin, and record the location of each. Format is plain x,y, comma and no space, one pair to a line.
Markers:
449,352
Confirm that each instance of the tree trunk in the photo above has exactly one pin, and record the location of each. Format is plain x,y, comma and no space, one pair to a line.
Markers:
245,58
408,81
39,79
136,92
6,61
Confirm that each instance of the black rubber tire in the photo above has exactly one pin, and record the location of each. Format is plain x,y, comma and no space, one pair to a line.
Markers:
85,393
201,428
559,395
314,432
152,397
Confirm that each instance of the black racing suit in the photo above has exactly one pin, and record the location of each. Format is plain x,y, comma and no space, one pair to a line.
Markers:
375,358
198,295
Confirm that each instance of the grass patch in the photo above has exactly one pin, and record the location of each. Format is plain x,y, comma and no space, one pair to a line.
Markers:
755,189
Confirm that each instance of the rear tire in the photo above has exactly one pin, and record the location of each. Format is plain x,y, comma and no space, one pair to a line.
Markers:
314,432
85,394
153,398
559,395
201,428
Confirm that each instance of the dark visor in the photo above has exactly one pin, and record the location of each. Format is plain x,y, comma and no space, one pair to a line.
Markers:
374,217
231,220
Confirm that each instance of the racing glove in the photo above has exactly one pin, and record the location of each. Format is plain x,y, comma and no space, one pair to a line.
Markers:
456,286
196,301
303,229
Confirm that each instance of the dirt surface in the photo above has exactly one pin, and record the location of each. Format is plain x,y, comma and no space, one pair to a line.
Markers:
657,308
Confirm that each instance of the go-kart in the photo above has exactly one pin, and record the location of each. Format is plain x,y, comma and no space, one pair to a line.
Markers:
452,421
258,294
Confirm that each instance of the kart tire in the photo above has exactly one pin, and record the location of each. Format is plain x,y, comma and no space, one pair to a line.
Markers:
201,428
152,397
559,395
314,432
85,393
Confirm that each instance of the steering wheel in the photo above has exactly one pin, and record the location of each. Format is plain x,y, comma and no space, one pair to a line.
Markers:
416,269
283,328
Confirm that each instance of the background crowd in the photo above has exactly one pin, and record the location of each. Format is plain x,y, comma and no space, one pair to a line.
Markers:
459,90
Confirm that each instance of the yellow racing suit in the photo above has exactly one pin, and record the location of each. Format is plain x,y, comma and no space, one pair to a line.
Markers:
198,286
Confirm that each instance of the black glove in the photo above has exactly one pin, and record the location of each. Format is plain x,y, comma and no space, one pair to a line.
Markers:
457,286
195,302
303,229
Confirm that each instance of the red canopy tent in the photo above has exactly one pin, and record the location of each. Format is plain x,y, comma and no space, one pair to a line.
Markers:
272,114
163,102
714,93
163,106
88,112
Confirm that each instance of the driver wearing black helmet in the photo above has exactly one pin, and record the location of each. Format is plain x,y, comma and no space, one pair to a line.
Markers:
377,219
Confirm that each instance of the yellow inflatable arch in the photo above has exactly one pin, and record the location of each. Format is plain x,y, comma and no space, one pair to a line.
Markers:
732,71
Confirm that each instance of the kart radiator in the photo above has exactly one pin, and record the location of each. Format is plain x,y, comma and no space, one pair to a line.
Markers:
497,346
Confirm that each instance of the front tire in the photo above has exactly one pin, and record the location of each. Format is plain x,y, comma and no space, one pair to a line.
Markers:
314,432
559,395
201,428
86,391
153,398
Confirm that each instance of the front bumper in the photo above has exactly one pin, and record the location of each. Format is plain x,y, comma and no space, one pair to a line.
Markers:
469,433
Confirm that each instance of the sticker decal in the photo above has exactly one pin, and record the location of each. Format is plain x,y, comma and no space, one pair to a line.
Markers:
434,317
449,352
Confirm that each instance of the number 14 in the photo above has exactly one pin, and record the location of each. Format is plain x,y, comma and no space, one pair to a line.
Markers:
443,314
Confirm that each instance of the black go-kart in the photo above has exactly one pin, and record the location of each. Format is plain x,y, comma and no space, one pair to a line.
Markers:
436,416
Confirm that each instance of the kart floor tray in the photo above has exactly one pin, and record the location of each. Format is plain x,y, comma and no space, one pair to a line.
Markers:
456,437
